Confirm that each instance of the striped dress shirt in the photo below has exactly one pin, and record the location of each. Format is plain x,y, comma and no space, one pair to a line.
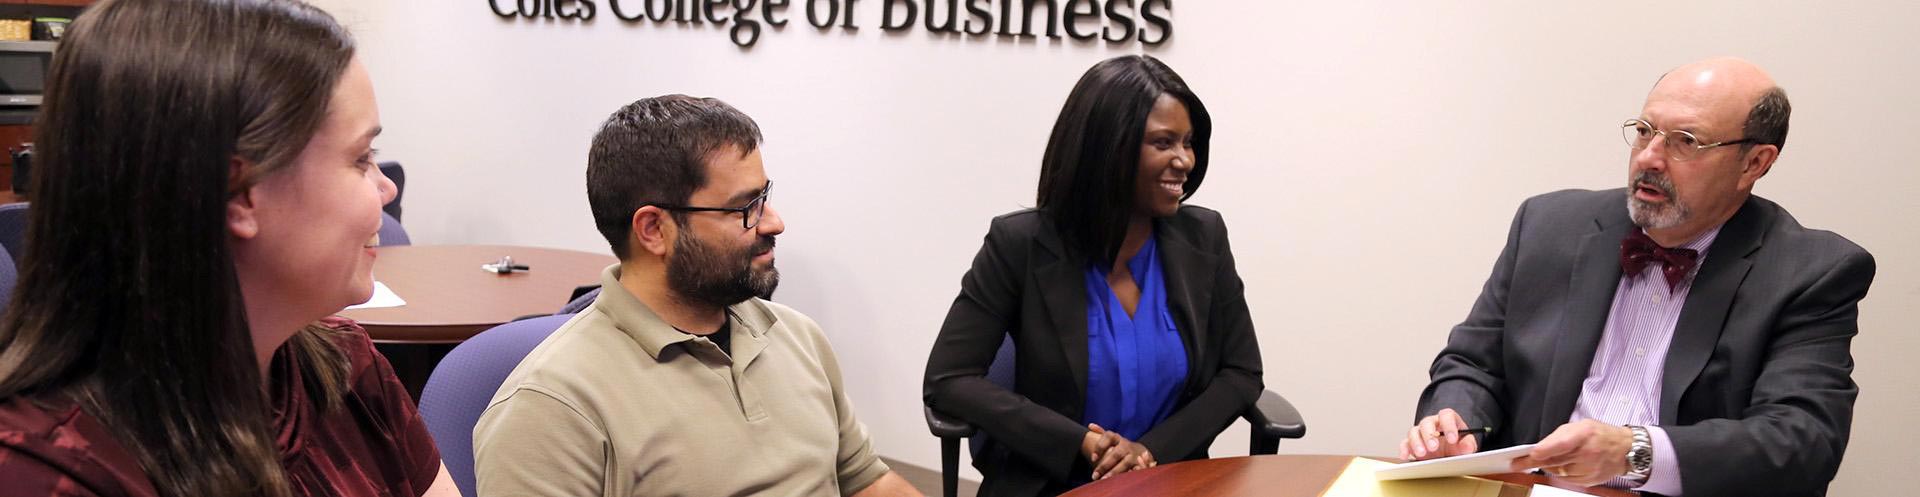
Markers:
1623,384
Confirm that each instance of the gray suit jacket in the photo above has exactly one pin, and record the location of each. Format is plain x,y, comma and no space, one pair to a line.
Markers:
1757,394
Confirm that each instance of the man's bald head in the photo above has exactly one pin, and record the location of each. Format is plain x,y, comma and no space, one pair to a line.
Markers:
1731,90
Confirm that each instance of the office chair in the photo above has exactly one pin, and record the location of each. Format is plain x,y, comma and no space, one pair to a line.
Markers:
13,230
1272,418
9,277
392,233
464,382
399,176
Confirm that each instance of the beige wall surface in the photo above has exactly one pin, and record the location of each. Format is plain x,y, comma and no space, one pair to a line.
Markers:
1368,156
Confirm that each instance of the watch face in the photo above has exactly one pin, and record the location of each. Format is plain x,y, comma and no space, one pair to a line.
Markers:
1640,456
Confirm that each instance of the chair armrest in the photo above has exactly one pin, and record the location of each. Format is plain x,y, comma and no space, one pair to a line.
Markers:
1272,416
946,426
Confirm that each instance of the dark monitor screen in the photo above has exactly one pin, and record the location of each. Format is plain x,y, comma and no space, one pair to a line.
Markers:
23,73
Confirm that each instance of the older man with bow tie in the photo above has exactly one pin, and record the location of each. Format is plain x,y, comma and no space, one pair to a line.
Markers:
1680,336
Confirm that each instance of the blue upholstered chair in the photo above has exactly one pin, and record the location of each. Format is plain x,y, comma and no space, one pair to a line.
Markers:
465,381
580,303
13,229
391,232
9,277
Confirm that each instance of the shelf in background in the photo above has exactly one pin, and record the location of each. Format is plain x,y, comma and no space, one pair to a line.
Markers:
59,3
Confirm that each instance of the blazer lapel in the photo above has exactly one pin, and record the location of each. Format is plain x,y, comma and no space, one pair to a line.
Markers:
1189,277
1063,289
1595,278
1705,313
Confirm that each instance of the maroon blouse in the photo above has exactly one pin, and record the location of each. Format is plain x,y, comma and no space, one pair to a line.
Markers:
375,444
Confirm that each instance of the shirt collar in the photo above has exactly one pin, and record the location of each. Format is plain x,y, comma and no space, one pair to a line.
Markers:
639,322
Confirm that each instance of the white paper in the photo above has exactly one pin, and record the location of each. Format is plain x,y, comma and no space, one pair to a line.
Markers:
382,297
1546,491
1482,463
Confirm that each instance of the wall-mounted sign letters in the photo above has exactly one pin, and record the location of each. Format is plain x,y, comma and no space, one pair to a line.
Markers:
1150,22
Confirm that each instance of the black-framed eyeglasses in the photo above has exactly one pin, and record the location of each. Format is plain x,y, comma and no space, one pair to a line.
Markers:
750,214
1680,145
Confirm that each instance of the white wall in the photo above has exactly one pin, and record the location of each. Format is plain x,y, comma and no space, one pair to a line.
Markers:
1368,156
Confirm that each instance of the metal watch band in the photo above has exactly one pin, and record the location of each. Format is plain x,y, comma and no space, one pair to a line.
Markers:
1640,456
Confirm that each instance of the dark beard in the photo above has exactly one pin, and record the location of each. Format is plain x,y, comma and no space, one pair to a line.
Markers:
703,275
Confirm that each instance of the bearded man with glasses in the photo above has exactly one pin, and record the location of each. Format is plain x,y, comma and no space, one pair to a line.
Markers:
680,379
1680,336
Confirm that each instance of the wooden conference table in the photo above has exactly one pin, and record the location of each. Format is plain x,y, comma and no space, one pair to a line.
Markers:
449,298
1267,476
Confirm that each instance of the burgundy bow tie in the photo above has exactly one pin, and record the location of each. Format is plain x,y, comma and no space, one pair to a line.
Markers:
1638,250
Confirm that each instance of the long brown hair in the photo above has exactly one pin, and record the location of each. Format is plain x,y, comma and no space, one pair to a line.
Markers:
129,302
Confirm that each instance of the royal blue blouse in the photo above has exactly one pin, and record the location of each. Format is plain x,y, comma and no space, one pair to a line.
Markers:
1136,365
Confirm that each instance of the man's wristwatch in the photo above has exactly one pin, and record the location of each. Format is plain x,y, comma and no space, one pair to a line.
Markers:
1640,456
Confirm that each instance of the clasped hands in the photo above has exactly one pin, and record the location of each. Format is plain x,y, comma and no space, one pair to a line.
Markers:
1584,452
1112,454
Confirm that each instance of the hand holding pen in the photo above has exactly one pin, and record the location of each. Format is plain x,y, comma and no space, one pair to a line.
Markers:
1443,434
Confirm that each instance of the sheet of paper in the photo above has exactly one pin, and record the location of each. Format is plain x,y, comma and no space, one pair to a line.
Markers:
382,297
1546,491
1482,463
1358,481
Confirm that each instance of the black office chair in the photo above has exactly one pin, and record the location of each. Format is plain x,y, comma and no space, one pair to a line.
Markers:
399,176
1272,419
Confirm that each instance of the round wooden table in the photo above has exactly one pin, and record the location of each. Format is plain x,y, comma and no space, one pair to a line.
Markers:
450,299
1266,476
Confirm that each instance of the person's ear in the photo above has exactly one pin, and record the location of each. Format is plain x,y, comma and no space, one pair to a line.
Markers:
242,219
1758,161
653,231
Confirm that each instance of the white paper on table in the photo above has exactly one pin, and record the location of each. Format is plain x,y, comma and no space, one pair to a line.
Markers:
1482,463
382,297
1546,491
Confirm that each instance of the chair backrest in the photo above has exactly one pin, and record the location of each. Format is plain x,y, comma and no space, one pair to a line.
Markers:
1000,372
9,277
391,232
13,229
581,302
399,176
466,380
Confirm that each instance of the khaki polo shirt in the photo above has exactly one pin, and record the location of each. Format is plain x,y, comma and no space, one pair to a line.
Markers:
618,403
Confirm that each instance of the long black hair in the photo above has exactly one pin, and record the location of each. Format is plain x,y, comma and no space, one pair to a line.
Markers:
129,302
1093,157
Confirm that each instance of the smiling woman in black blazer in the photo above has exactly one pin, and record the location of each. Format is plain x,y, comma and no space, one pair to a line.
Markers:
1123,304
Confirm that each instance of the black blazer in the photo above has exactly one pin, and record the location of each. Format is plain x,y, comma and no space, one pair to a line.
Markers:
1757,393
1026,283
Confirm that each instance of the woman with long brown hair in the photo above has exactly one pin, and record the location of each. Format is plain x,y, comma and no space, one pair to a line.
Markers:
206,198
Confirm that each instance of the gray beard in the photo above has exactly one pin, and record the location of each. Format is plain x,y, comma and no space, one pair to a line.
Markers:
1656,216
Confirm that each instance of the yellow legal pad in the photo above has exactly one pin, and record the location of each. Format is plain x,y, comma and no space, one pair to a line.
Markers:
1358,481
